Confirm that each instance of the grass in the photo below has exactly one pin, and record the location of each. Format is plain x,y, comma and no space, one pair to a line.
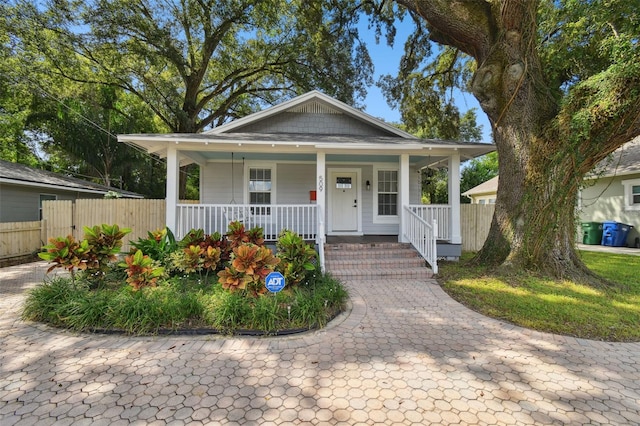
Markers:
181,303
545,304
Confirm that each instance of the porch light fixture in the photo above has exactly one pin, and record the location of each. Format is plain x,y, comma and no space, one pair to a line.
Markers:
368,184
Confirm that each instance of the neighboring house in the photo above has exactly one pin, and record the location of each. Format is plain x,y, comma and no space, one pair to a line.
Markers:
314,165
485,193
23,189
612,191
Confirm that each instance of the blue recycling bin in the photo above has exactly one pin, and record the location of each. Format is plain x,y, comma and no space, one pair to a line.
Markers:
614,234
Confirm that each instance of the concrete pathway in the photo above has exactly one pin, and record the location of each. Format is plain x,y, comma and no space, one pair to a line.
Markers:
405,354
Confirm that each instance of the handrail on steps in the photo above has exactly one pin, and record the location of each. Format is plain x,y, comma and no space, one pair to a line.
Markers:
422,237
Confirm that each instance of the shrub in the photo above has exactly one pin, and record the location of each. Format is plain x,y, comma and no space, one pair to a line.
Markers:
158,245
105,243
95,252
67,253
249,267
297,258
142,271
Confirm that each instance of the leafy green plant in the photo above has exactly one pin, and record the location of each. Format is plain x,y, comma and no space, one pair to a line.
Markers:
249,267
105,242
297,258
158,245
256,236
237,235
67,253
193,238
216,240
193,259
142,271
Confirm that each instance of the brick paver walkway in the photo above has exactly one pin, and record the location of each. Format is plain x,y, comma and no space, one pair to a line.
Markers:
405,354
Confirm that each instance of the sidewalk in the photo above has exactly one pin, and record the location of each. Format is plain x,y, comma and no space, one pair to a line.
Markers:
607,249
404,354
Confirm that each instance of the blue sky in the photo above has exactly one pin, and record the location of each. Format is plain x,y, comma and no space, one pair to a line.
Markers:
386,60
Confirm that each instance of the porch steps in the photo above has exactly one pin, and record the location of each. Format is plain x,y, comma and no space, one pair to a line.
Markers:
364,261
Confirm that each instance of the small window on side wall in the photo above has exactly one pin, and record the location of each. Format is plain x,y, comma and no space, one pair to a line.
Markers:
631,194
635,194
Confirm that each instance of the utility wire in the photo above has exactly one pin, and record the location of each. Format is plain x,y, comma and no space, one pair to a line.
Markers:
84,118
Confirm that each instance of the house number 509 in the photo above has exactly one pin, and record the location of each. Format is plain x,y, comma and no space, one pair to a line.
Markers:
320,183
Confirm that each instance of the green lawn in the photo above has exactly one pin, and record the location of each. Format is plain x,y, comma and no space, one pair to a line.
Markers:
561,307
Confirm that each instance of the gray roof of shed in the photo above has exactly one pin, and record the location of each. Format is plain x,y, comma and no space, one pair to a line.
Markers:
21,174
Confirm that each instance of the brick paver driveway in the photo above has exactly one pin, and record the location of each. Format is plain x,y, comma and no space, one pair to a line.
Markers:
405,354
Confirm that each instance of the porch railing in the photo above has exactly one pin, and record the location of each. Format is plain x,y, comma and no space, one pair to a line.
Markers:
441,213
302,219
422,235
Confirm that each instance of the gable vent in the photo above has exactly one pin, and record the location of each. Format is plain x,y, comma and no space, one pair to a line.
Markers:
314,108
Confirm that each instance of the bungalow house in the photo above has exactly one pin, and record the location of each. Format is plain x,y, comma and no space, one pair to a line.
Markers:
319,167
24,188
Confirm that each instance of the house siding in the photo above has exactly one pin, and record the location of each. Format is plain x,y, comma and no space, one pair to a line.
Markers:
292,186
294,181
215,187
20,203
305,123
604,201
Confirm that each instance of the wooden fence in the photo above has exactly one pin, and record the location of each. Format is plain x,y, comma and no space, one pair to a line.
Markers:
475,221
61,218
19,238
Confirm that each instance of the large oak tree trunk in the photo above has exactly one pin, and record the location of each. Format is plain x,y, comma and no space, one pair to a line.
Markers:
534,226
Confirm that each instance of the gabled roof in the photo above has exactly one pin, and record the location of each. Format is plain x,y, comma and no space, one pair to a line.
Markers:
488,187
313,100
303,126
20,174
623,161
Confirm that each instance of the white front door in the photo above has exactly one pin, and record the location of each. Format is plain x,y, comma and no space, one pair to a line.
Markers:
344,211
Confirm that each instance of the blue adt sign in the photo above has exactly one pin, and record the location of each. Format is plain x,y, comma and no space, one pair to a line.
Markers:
274,282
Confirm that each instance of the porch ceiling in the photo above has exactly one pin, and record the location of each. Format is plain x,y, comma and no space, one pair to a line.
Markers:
309,158
202,148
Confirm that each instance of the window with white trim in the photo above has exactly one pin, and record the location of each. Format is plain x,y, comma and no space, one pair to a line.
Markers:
631,194
260,188
386,194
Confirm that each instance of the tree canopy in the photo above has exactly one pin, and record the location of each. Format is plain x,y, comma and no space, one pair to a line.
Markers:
199,63
76,73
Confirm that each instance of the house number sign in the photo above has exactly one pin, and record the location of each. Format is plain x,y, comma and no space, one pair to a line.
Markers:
320,183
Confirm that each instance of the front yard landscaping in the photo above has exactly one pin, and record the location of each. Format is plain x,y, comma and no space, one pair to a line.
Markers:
545,304
202,284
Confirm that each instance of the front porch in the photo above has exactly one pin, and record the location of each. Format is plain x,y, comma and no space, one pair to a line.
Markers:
423,226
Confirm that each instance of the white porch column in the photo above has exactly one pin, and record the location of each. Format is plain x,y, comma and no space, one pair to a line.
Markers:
403,195
321,194
173,183
454,197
